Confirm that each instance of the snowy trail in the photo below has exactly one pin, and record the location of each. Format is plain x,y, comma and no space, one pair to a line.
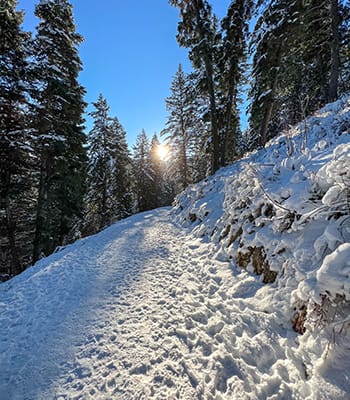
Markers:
144,310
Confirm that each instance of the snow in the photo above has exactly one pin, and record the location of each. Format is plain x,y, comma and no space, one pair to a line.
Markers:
285,209
157,307
146,310
334,274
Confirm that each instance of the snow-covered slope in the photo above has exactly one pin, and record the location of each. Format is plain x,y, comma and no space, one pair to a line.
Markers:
284,212
167,304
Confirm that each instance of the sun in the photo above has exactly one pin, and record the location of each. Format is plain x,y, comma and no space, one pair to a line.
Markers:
162,151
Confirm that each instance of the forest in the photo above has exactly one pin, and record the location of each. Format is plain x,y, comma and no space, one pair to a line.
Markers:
59,183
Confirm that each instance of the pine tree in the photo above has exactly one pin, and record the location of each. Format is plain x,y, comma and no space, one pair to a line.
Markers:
326,21
108,197
297,62
200,143
231,63
333,90
99,204
218,54
16,143
200,157
179,129
344,51
59,125
157,168
156,173
142,174
269,39
121,172
197,31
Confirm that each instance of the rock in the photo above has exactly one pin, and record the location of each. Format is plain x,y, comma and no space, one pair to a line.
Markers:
257,256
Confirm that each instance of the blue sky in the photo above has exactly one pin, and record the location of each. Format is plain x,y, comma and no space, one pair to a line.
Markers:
130,55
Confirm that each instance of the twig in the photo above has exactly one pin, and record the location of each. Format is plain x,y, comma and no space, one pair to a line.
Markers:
333,334
273,201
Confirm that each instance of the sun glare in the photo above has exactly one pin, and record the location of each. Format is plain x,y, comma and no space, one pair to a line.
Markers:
162,151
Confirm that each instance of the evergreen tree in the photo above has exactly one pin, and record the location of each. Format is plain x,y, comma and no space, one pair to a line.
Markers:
160,188
99,204
197,31
269,39
315,52
157,172
200,151
344,51
121,172
324,30
187,132
179,128
231,64
218,54
142,174
200,143
333,90
16,144
61,141
297,62
108,197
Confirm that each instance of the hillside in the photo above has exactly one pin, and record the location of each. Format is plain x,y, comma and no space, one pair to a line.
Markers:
284,213
241,291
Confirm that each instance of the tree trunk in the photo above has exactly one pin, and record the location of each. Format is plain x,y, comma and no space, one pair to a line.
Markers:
215,156
335,57
15,265
40,219
232,89
184,156
104,210
266,120
271,101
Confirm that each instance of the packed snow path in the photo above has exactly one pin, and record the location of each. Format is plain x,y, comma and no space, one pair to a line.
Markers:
144,310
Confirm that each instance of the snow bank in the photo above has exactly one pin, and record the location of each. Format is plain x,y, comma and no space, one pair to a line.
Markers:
283,213
334,274
293,205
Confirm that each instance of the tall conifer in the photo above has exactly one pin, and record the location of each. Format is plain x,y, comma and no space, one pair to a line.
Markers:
108,195
16,143
142,174
98,202
179,129
197,31
121,190
59,125
230,75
